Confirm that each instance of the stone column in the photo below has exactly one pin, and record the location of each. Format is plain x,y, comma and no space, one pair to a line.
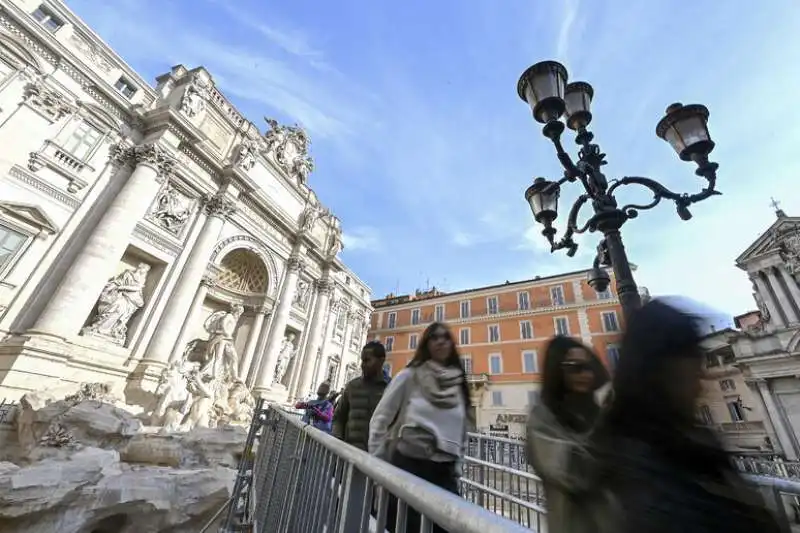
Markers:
322,368
794,290
769,301
258,356
348,331
315,334
76,295
775,417
167,342
252,341
783,298
267,371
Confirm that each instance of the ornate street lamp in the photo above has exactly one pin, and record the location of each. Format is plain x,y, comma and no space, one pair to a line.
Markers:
544,87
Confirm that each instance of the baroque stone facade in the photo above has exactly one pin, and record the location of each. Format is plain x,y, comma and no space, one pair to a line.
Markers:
188,268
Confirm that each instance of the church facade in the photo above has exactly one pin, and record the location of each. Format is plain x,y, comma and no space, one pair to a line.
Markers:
764,350
145,228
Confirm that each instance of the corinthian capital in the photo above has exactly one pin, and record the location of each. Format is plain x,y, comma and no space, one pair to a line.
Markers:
155,157
218,205
295,263
325,286
121,155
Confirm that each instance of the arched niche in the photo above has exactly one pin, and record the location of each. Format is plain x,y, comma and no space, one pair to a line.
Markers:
243,271
254,246
17,54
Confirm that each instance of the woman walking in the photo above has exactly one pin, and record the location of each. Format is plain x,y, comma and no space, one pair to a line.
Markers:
420,424
667,474
558,434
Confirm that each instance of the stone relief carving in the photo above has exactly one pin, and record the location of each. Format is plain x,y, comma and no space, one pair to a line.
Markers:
153,156
172,210
289,146
203,388
287,354
50,103
301,295
789,250
121,298
246,154
92,53
194,99
218,205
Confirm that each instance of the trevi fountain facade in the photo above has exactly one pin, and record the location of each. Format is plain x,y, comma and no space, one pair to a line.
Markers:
155,245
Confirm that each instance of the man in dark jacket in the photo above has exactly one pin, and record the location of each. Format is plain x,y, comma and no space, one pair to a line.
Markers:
360,397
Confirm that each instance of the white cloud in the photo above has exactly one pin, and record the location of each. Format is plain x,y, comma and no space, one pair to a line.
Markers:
362,238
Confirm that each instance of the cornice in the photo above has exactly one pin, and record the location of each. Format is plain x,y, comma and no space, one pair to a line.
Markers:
498,317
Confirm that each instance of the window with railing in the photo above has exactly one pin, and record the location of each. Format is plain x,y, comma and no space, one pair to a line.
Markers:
463,336
525,329
465,309
557,295
466,362
736,411
491,305
523,301
494,333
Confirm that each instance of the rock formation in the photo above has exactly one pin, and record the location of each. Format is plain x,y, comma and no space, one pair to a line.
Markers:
87,464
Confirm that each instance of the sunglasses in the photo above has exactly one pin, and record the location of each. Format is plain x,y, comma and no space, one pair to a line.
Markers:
576,367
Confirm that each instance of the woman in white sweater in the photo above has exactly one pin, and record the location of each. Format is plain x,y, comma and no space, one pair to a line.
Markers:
420,424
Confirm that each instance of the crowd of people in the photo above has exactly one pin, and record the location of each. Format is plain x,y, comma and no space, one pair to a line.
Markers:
622,454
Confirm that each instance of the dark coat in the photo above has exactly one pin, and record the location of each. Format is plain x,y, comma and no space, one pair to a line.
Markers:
354,410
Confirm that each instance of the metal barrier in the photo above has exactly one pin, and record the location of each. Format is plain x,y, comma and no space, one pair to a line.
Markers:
307,481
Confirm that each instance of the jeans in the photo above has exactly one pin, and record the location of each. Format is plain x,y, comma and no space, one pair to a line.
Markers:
442,475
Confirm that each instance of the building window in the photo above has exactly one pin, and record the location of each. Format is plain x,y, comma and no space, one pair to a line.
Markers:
389,343
530,362
557,295
610,321
523,301
439,313
463,336
736,411
341,319
412,341
562,325
604,295
497,397
704,415
491,305
728,357
525,329
495,363
392,321
466,362
727,385
125,87
11,243
465,309
533,397
612,354
414,317
711,360
47,18
494,333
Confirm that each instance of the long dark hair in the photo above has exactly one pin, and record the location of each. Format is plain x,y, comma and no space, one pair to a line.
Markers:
657,335
423,354
554,388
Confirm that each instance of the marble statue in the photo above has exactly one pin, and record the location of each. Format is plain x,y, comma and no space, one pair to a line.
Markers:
193,101
246,158
172,210
288,351
301,295
203,388
289,146
121,297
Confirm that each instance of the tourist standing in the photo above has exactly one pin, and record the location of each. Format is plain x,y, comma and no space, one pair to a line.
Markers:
558,430
667,473
319,412
421,423
360,397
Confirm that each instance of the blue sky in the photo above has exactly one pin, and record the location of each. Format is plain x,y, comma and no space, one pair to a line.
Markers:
423,148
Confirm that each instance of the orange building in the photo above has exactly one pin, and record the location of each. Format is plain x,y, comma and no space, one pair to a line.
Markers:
501,332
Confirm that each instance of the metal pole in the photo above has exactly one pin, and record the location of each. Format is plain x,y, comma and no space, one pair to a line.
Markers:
609,223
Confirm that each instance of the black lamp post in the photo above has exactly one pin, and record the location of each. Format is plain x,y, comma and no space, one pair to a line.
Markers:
544,87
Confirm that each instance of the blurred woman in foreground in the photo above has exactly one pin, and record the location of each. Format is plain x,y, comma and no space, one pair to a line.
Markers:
666,473
558,432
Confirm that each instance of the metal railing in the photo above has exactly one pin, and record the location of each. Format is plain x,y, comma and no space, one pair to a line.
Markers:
307,481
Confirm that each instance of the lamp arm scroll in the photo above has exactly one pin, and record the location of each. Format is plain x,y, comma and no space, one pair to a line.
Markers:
660,192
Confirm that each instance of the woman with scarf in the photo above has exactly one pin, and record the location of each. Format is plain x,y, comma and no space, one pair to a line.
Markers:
573,388
667,473
420,424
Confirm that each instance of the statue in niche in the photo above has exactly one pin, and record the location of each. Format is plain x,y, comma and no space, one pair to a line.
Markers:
122,296
287,353
193,101
172,210
246,156
203,389
762,307
301,295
